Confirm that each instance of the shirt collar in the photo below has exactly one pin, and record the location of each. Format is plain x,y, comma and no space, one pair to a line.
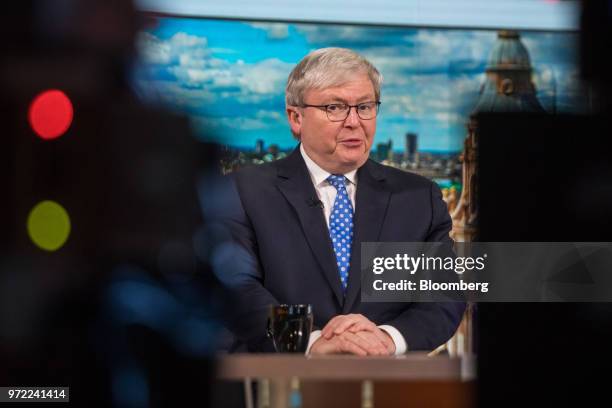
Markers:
318,175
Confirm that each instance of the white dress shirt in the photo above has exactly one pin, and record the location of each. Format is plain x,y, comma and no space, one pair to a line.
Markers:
327,194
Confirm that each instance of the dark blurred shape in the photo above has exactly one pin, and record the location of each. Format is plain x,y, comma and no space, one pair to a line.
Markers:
548,179
544,178
127,312
595,47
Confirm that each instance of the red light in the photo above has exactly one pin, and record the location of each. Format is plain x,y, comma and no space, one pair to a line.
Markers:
50,114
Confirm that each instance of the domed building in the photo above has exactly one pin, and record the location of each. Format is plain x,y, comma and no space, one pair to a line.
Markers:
507,88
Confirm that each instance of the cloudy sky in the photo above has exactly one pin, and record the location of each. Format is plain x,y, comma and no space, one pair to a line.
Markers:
229,76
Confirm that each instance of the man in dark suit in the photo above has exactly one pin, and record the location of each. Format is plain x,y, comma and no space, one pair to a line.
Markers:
299,221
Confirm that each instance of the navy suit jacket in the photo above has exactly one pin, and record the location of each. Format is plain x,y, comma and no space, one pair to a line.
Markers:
285,253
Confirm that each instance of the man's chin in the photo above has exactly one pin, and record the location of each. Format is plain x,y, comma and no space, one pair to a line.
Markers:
353,162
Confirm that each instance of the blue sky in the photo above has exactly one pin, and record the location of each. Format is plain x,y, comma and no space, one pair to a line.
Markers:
229,76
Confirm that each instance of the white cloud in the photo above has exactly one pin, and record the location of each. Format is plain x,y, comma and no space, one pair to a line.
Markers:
449,117
430,92
268,115
264,77
544,77
152,50
417,50
229,123
275,31
552,48
194,58
468,83
185,48
405,93
191,62
221,50
439,42
240,123
175,94
184,40
432,96
398,105
262,120
391,61
267,76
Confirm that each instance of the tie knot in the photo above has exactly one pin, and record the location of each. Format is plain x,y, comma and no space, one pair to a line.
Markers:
337,180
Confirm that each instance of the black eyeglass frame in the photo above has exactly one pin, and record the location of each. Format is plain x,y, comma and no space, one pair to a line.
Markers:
348,112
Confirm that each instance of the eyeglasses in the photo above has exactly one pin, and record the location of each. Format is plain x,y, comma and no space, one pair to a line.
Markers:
337,112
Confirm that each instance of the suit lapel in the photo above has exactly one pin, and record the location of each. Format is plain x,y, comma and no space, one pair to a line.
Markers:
295,184
371,202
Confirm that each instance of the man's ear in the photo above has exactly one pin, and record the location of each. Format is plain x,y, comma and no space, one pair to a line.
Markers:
294,116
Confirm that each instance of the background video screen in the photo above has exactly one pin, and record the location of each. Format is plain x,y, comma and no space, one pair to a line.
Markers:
229,77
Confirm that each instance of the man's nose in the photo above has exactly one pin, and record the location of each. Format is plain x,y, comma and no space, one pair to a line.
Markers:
352,119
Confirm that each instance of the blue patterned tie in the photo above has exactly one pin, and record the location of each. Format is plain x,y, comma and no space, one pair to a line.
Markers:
341,227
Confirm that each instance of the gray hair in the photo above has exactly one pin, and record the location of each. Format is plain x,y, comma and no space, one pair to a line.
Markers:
325,68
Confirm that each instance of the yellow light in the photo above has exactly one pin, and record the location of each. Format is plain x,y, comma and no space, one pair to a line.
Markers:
48,225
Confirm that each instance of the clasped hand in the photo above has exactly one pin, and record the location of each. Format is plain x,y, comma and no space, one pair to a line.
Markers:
353,334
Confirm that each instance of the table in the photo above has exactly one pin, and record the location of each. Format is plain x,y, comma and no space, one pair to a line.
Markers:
371,381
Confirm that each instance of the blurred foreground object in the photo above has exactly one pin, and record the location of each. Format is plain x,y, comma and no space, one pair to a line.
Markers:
548,179
102,287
